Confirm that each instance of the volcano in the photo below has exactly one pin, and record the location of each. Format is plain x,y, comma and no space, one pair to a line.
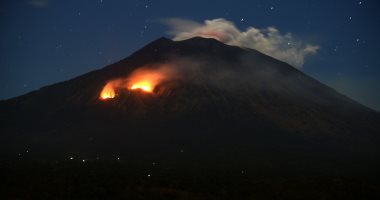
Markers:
210,110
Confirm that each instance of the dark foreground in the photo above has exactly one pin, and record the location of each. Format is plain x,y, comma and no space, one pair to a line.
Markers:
118,179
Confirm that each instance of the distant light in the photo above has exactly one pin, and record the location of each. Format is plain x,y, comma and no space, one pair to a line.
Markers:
71,158
83,160
148,175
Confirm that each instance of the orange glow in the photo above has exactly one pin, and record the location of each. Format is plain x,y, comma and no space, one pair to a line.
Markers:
212,34
144,78
148,79
143,85
108,91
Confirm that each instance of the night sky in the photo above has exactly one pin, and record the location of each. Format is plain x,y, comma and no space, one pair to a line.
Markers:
48,41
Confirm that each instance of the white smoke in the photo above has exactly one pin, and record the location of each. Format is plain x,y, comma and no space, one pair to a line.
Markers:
269,40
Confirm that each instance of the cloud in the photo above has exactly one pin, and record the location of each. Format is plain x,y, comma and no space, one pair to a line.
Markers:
269,40
38,3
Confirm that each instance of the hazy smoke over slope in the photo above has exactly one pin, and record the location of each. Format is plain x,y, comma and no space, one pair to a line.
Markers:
269,41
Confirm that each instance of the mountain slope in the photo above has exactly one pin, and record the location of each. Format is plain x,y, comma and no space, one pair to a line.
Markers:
229,105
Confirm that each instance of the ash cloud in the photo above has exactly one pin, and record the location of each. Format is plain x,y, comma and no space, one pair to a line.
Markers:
269,40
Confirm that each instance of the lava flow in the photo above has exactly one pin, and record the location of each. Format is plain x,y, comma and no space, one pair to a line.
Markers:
143,85
108,91
146,79
141,79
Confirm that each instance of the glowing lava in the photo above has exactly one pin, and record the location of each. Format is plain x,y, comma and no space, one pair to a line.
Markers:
145,79
143,85
108,92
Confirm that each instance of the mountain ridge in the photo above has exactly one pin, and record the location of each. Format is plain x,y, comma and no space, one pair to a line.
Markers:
230,87
165,41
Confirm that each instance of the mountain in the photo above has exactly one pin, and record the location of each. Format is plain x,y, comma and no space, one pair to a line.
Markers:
221,110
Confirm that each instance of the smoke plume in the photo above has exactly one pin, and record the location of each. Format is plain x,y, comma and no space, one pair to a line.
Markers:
269,40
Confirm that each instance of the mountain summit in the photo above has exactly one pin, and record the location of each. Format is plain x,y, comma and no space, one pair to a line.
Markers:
197,104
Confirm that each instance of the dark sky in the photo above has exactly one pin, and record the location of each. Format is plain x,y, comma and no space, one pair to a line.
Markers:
48,41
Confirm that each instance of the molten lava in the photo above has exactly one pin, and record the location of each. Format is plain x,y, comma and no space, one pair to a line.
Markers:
145,79
143,85
108,91
148,79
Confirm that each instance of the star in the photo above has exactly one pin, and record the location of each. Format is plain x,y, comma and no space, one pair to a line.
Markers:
242,20
58,46
272,7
